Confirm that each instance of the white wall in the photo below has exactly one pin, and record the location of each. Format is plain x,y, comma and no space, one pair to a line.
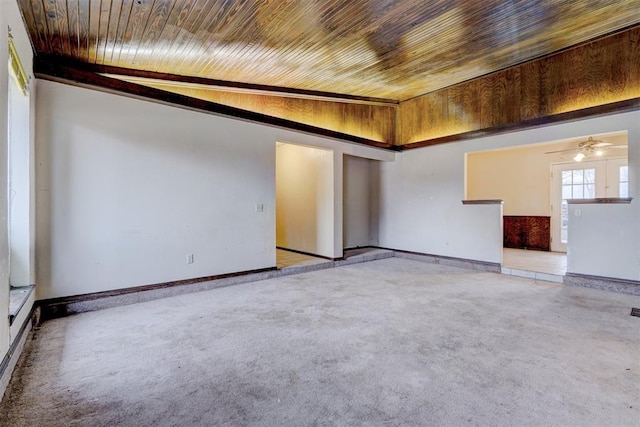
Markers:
604,239
305,199
421,209
612,249
357,197
126,189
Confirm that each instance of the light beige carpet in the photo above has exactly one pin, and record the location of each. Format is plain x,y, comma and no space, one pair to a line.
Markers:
390,342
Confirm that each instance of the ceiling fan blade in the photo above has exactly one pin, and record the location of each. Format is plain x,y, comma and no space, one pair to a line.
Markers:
588,148
569,150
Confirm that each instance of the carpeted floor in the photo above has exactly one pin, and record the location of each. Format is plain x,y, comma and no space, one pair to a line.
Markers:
389,342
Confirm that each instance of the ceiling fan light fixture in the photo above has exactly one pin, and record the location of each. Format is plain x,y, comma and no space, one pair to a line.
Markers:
578,157
599,153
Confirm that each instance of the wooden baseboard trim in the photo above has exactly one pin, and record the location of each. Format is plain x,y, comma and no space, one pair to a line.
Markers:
56,307
353,248
471,264
483,202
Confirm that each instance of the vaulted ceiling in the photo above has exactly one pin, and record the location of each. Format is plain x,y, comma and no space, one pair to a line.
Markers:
394,49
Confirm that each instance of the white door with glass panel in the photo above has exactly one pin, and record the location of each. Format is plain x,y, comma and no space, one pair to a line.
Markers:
583,180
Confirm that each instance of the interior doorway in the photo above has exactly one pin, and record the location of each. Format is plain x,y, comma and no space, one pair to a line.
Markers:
304,202
327,202
360,195
535,180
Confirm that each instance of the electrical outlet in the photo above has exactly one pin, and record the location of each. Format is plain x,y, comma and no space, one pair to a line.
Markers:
190,259
578,212
259,207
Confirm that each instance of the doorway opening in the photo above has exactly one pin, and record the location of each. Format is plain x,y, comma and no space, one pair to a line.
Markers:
304,205
360,202
326,205
535,181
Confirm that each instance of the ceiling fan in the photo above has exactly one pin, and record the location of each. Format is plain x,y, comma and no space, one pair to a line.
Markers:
589,147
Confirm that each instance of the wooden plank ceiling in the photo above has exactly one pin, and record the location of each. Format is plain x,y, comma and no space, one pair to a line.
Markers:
383,49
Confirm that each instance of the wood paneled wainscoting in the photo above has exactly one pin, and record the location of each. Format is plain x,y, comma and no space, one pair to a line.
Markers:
527,232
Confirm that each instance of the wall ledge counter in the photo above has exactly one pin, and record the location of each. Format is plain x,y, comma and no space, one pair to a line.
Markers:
483,202
600,200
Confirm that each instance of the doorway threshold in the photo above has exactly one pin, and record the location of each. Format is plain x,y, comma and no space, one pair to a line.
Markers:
532,264
536,275
288,259
293,263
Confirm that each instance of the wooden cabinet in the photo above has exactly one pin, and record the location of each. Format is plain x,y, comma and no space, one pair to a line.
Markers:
527,232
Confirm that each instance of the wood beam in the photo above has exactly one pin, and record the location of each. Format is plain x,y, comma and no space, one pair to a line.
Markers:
60,71
600,110
141,76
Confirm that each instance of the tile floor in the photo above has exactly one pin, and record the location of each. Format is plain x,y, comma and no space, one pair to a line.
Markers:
288,259
537,261
548,263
